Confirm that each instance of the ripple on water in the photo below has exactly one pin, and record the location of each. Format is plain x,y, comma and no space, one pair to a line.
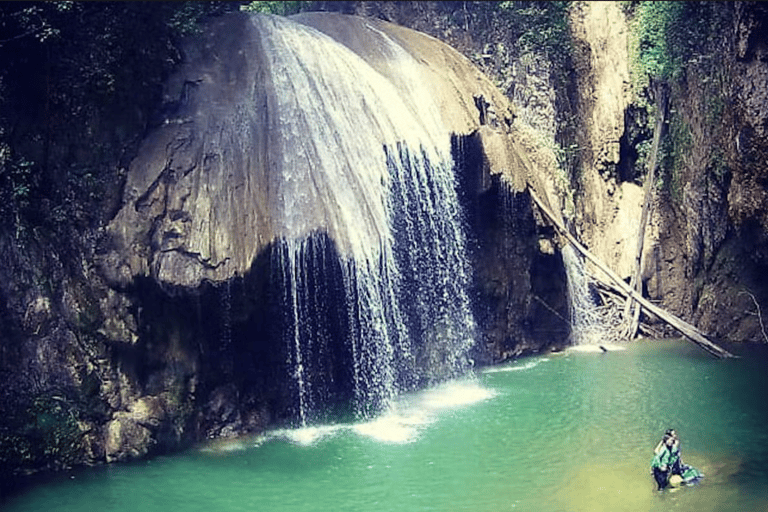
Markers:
517,366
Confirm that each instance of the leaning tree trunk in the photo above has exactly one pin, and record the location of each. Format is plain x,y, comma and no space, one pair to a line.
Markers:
617,283
636,282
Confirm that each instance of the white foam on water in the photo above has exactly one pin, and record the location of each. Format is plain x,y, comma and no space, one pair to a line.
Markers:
401,424
517,367
393,428
454,394
404,422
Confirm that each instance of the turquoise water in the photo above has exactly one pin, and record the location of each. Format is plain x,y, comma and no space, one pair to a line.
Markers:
567,432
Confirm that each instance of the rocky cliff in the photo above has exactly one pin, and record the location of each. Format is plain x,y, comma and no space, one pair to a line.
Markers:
149,327
163,328
701,257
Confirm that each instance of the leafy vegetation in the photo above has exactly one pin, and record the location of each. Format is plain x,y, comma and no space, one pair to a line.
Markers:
523,29
669,35
674,43
40,429
539,31
654,45
275,7
677,143
78,84
544,26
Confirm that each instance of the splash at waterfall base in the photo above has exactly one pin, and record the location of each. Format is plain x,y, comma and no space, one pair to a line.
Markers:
299,236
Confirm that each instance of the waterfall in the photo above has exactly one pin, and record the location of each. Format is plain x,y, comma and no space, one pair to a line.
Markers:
225,327
592,322
364,165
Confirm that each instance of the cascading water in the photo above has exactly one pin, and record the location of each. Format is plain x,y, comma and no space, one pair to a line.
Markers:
592,323
373,163
225,327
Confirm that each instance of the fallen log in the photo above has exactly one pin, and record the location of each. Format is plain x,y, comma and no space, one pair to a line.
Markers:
631,312
625,289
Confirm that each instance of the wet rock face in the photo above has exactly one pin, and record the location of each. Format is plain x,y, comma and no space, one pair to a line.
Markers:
270,155
748,195
732,297
256,149
185,340
713,241
519,283
129,433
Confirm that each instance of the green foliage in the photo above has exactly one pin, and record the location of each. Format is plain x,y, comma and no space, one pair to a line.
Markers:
56,428
275,7
629,7
682,44
185,19
656,24
16,184
45,433
668,35
674,146
21,182
538,30
78,84
544,26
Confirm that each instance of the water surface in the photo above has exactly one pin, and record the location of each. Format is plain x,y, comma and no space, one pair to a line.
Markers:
567,432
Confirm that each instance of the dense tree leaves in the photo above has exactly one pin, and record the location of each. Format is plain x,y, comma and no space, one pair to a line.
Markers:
77,86
669,35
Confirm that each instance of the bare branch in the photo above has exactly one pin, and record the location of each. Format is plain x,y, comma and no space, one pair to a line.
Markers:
759,314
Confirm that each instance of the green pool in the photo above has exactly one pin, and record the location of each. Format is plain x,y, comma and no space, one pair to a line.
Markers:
566,432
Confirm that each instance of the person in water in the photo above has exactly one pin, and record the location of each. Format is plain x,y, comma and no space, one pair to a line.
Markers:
667,463
673,447
662,461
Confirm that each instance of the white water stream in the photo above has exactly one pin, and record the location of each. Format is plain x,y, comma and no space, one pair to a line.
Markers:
370,162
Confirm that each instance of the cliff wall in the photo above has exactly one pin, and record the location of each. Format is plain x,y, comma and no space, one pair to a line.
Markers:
153,328
123,340
702,255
